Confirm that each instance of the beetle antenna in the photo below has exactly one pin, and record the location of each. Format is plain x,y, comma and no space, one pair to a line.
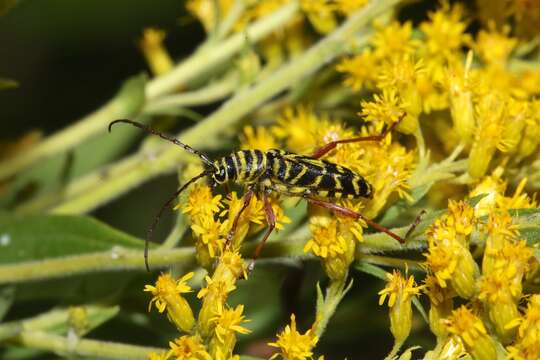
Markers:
175,141
158,216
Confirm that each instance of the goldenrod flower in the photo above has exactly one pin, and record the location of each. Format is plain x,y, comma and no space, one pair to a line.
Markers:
161,356
293,345
154,52
449,258
188,348
166,296
394,39
520,199
450,349
500,232
210,235
253,213
472,331
527,344
495,291
297,126
513,259
494,47
459,85
259,138
531,133
445,32
333,243
201,203
227,324
386,107
401,73
490,111
399,292
360,70
214,295
492,187
321,14
388,168
442,304
461,217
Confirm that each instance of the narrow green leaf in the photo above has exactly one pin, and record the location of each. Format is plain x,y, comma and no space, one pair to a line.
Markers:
47,236
420,308
371,270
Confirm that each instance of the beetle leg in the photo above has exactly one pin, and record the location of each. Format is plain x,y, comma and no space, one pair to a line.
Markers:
271,220
332,145
247,198
355,215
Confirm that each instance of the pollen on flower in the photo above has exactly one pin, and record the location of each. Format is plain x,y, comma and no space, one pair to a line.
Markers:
293,345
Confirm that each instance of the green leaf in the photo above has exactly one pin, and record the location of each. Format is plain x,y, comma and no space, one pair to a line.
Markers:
48,236
371,270
99,288
247,357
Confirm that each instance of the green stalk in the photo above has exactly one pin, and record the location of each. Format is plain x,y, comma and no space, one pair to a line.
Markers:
207,58
115,259
126,103
83,347
207,132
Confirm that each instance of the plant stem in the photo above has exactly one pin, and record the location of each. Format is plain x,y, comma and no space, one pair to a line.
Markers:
115,259
96,191
83,347
207,58
126,103
212,92
326,306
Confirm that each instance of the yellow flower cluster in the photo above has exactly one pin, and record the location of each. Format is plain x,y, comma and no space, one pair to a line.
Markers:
213,335
495,292
449,90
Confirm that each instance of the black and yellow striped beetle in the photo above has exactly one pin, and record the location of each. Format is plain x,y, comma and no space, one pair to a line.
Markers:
286,173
